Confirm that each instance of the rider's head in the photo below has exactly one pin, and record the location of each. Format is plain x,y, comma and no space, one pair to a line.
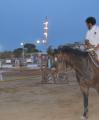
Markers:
90,21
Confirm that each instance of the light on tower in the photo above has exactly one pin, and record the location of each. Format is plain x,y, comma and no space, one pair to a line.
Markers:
46,30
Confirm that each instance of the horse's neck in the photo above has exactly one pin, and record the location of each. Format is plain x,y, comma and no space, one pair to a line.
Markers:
78,62
83,67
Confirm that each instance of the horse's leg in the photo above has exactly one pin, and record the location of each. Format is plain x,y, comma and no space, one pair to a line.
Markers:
97,87
85,114
44,75
85,91
54,77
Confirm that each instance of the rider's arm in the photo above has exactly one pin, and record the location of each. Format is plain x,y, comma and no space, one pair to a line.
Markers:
87,41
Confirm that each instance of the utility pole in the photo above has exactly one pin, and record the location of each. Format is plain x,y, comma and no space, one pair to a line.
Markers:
23,51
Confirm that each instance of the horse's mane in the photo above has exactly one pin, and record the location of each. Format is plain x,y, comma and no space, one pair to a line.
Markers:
71,50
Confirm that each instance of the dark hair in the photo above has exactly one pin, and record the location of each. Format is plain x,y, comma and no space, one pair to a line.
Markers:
91,20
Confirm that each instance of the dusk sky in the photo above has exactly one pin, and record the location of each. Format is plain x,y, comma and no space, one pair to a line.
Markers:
21,20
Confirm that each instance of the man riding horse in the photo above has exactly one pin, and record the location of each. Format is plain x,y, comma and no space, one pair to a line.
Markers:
92,36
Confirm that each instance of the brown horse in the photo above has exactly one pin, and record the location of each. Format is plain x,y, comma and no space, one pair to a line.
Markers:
57,70
49,71
87,73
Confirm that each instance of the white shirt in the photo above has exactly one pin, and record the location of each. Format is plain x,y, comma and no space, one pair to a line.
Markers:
93,35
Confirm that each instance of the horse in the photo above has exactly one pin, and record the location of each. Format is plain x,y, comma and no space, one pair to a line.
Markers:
61,68
87,73
49,71
54,69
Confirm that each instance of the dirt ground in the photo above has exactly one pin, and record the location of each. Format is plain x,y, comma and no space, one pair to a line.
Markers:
30,100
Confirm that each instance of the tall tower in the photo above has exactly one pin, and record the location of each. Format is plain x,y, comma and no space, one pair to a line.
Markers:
45,41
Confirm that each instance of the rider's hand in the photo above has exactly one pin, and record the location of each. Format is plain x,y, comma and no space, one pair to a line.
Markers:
97,47
86,42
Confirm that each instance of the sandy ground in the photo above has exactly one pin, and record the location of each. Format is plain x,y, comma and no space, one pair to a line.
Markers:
30,100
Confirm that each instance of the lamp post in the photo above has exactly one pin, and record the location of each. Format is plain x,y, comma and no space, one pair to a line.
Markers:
23,52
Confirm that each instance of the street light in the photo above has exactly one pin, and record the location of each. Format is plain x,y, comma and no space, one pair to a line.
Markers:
23,52
38,41
22,44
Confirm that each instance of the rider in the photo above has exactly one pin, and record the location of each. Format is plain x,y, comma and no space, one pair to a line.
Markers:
92,36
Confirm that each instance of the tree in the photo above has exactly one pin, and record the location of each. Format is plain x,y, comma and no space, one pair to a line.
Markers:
18,52
30,48
50,50
6,55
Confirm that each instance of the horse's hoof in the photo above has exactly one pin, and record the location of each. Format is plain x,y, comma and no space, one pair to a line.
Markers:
84,118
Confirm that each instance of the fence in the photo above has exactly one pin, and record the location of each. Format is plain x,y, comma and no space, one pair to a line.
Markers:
18,74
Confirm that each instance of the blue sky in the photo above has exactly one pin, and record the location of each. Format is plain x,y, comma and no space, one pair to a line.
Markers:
21,20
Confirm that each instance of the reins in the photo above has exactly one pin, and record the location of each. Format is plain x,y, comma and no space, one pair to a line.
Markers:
95,63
